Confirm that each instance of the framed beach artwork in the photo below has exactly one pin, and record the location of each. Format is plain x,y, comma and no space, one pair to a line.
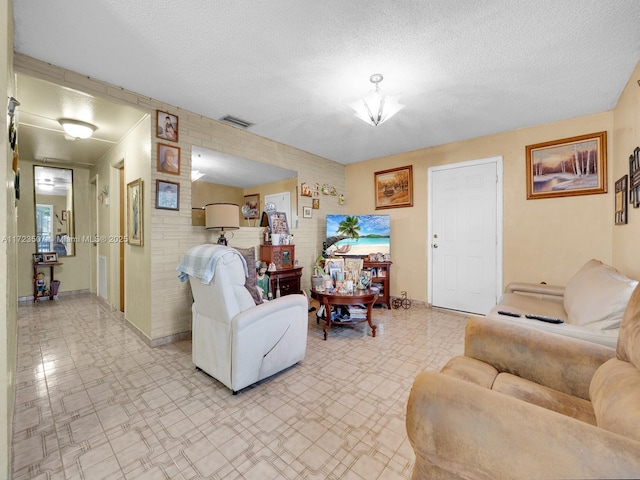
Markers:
567,167
134,213
394,187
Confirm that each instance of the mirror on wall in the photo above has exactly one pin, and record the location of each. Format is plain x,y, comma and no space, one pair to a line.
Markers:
54,212
234,179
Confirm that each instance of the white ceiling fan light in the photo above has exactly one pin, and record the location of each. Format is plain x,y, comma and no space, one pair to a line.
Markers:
376,108
76,128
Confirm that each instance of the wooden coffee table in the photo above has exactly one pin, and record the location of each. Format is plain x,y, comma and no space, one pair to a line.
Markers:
365,297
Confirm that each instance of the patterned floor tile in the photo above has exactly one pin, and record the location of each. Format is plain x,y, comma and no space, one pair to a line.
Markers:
94,401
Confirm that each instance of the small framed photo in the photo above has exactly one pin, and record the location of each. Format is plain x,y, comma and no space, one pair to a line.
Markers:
315,203
64,215
567,167
167,195
394,187
253,204
167,126
306,212
168,159
37,258
50,257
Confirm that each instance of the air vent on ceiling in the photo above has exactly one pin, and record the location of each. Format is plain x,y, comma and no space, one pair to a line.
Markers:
236,122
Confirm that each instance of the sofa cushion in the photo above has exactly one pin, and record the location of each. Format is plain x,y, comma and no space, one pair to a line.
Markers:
251,283
615,396
544,397
597,295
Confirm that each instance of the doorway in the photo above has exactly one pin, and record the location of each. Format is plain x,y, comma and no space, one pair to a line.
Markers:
465,235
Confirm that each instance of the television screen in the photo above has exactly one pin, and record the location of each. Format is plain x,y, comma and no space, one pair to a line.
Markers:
358,235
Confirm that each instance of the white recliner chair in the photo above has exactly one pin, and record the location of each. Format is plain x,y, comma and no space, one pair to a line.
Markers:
234,340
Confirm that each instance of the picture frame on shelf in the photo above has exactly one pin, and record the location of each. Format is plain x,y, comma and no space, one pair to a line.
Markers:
567,167
37,258
167,195
50,257
168,159
394,187
167,126
278,223
135,219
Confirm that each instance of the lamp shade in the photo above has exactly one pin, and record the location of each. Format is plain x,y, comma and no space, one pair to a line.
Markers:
222,216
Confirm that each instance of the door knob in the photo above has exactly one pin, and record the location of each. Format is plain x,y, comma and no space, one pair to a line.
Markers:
435,245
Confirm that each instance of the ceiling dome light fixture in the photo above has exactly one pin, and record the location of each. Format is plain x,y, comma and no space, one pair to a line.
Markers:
76,128
375,108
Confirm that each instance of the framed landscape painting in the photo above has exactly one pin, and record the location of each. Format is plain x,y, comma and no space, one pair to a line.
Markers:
567,167
394,187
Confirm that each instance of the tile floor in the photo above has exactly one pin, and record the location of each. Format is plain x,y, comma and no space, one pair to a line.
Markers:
93,401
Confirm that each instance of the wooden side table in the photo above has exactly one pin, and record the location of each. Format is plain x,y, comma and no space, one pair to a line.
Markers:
37,266
288,279
331,297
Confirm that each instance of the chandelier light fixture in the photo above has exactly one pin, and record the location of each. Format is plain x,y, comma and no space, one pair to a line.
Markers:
76,128
376,108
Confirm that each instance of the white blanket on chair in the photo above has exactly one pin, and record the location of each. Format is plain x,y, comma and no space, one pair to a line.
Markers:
201,261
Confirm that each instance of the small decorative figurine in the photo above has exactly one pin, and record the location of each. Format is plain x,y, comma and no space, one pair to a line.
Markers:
41,285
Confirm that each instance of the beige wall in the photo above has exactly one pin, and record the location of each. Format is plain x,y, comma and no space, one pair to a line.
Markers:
544,239
203,193
8,251
166,309
626,137
74,273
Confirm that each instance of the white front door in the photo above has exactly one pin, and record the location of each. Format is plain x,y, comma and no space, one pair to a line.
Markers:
464,237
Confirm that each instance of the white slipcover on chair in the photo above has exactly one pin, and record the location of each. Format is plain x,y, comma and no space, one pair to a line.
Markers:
234,340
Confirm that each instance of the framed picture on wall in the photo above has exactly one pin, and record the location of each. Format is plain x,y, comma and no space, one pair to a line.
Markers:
394,187
252,202
567,167
621,200
168,159
167,126
135,224
167,195
306,212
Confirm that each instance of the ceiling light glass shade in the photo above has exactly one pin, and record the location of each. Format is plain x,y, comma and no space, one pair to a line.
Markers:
76,128
222,216
376,108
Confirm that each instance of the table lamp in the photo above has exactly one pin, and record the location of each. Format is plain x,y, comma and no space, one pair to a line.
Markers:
222,216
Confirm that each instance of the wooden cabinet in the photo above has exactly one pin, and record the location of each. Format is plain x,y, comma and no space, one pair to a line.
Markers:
287,275
381,272
283,256
288,280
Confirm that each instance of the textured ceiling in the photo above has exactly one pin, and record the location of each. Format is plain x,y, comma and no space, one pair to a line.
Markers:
463,68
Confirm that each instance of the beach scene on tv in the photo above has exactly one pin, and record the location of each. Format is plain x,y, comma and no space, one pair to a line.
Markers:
358,235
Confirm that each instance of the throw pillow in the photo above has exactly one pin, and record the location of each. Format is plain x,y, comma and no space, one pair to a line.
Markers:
251,283
597,296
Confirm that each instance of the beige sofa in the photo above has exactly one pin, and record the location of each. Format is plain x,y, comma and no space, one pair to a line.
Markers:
591,305
524,403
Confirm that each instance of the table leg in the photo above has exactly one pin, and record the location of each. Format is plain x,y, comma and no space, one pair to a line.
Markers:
371,325
327,317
